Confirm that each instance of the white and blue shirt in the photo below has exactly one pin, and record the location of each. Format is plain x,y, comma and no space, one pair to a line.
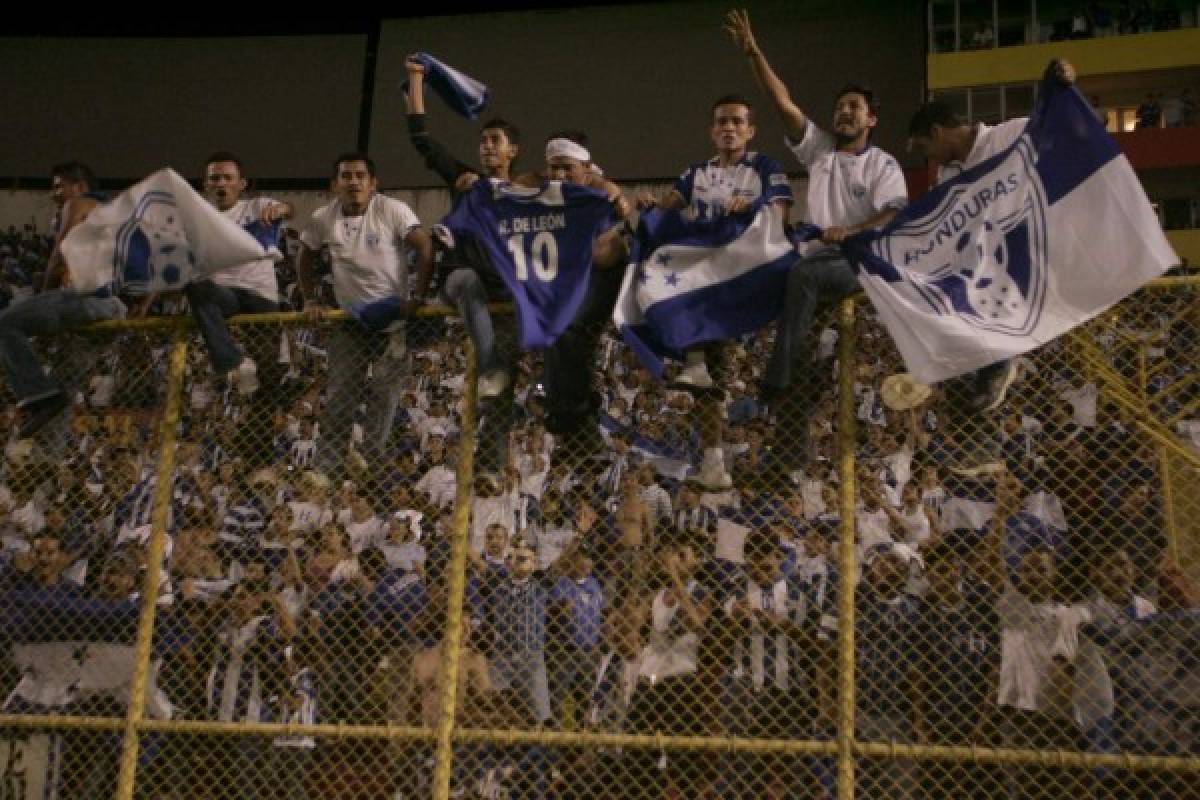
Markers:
708,188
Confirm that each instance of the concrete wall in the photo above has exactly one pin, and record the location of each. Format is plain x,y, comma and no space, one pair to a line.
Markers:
126,107
640,80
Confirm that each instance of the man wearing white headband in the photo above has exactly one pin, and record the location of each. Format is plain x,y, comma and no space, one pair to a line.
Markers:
572,407
730,182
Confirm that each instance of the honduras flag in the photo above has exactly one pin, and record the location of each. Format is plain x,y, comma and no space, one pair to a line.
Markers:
157,236
1016,250
460,91
71,650
701,280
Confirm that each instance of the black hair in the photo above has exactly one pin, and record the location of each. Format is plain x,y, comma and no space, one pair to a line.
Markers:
857,88
354,155
733,100
224,155
933,113
511,132
75,172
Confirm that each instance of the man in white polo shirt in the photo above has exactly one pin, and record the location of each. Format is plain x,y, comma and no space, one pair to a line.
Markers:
852,187
369,236
938,133
250,288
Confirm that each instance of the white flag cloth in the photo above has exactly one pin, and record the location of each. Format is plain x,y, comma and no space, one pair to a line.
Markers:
1016,251
159,235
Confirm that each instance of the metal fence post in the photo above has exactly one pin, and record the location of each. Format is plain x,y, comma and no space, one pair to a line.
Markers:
158,535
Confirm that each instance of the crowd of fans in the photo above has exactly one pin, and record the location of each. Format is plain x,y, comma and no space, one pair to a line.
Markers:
1035,608
1062,22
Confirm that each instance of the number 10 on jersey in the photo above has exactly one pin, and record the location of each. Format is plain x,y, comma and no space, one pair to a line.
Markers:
542,254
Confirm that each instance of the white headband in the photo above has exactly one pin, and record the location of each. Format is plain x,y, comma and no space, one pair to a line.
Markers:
565,147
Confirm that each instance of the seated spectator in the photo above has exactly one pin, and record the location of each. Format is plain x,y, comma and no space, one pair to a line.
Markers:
578,605
957,632
42,567
439,482
654,496
365,526
310,509
401,545
516,608
1149,113
1103,699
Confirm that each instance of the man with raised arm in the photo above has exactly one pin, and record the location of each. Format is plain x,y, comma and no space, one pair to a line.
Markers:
853,186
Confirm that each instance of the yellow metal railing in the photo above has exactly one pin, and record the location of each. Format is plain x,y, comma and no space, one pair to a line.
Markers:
846,748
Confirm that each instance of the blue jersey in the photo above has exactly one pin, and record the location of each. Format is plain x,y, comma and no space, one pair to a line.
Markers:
708,188
584,603
539,241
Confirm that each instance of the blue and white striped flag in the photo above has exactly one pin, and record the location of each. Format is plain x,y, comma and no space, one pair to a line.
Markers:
157,236
464,94
699,280
1017,250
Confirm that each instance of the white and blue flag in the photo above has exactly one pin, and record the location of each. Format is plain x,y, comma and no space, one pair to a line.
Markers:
460,91
1017,250
697,280
157,236
539,241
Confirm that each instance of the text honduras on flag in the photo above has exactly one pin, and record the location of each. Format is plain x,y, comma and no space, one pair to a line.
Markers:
700,280
1017,250
157,236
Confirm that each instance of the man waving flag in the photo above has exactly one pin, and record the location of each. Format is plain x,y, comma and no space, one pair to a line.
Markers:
157,236
700,280
1018,249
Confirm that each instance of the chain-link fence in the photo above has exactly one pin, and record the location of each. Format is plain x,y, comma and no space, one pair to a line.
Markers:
370,581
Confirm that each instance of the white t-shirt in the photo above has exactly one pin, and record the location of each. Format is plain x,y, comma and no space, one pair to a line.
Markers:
307,516
369,262
874,528
366,533
1032,636
989,141
440,484
406,556
1083,404
256,276
846,188
551,543
103,387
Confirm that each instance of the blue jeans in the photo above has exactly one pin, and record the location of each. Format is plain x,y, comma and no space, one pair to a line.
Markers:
571,402
464,290
351,350
47,314
813,283
495,348
211,303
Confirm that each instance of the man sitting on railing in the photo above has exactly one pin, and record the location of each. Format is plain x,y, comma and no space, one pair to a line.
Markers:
57,309
250,288
369,237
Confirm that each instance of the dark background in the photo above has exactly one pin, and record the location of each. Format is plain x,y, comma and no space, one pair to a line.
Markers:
132,95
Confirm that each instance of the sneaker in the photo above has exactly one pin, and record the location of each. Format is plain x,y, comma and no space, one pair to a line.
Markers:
37,414
994,387
245,376
492,383
694,375
983,469
713,476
